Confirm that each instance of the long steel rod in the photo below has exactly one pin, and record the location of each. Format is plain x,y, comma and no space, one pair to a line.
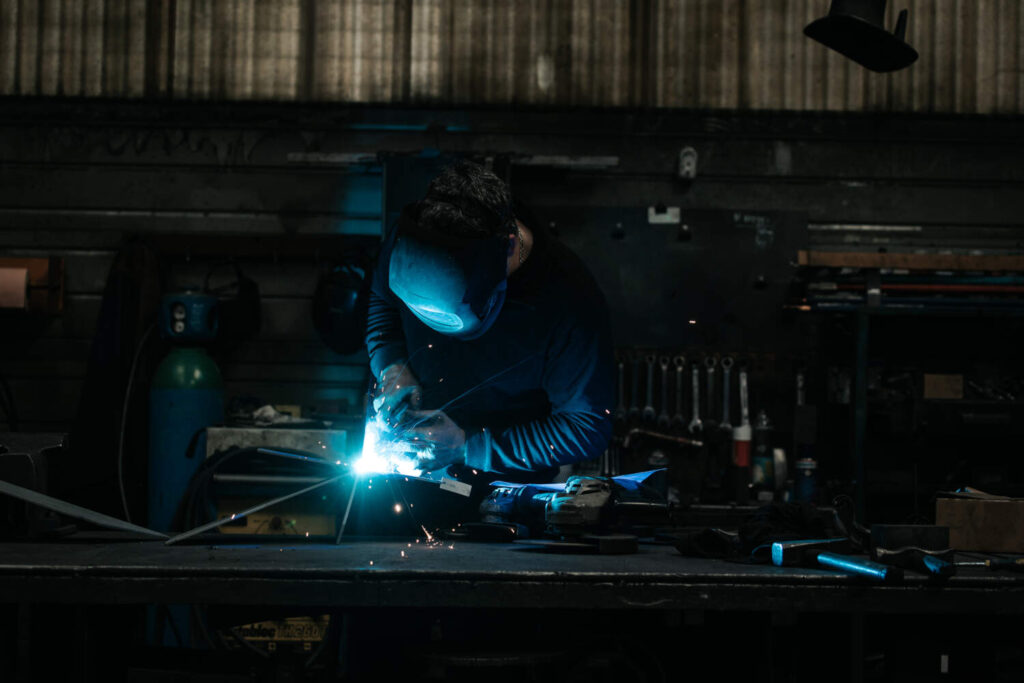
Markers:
256,508
71,510
348,508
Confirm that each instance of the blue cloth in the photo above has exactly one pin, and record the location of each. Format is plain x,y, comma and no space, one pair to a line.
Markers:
536,390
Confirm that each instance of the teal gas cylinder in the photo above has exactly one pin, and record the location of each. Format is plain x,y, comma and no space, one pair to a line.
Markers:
186,395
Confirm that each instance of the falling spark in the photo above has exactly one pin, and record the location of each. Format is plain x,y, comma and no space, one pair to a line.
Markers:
693,322
408,545
430,537
398,508
337,462
307,534
403,553
451,547
371,563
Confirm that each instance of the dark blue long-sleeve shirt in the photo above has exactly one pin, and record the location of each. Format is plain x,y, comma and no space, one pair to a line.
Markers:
532,393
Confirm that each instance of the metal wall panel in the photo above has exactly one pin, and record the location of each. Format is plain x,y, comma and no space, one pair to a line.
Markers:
704,54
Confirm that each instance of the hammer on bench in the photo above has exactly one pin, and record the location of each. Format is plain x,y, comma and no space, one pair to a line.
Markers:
828,553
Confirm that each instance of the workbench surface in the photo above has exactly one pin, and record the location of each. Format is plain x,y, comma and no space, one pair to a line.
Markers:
363,573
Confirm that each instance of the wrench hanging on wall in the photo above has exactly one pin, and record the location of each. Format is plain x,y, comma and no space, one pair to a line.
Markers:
678,420
744,399
663,415
726,372
695,423
634,378
710,362
649,413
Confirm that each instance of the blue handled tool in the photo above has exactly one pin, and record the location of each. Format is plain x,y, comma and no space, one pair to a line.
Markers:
827,552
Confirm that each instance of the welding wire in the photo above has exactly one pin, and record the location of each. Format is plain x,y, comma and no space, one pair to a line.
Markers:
348,509
467,392
256,508
78,512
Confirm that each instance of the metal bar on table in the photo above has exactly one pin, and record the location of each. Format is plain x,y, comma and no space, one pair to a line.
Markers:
76,511
256,508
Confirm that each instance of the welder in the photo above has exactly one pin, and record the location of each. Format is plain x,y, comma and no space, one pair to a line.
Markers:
490,340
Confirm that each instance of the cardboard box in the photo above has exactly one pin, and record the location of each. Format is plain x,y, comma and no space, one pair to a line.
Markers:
982,522
944,387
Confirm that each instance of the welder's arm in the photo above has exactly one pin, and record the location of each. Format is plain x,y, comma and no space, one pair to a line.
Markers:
578,378
385,341
399,389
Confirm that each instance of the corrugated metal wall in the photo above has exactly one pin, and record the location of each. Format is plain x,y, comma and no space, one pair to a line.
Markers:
745,54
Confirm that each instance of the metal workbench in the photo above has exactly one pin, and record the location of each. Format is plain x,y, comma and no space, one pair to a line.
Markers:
407,574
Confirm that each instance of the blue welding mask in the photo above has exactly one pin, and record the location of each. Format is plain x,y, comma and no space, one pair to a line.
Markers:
455,286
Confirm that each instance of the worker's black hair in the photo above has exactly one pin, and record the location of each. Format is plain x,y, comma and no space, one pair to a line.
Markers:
466,200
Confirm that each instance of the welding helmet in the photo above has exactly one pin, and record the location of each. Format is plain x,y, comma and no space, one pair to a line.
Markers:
454,285
340,302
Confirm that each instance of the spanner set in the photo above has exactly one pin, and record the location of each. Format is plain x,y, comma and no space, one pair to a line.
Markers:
679,393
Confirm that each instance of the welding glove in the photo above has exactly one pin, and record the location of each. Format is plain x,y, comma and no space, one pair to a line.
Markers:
445,440
400,390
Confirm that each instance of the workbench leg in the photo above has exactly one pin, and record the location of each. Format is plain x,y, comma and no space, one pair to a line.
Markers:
23,651
80,631
857,647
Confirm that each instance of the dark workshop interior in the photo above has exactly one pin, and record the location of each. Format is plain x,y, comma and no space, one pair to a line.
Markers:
473,340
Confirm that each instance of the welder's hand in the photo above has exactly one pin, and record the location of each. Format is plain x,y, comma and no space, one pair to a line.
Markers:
445,440
400,390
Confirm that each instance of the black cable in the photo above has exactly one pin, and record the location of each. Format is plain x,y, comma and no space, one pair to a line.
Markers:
333,628
197,497
124,419
200,621
169,619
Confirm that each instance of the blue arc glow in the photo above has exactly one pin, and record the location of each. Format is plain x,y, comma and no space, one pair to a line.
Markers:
382,456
